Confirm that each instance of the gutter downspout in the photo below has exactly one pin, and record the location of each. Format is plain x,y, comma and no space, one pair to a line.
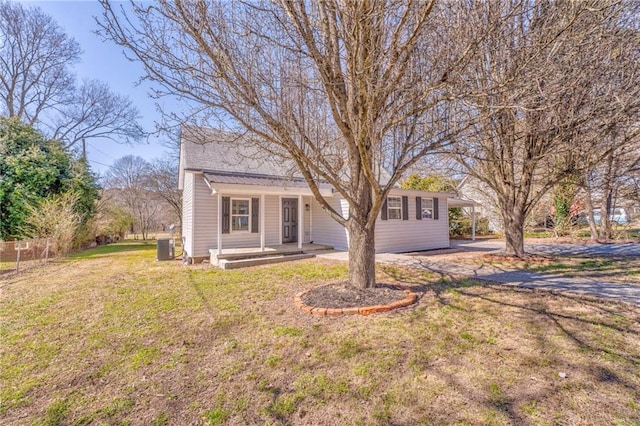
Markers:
300,221
219,224
263,207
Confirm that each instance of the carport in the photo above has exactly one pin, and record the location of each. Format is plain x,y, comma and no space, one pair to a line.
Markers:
461,203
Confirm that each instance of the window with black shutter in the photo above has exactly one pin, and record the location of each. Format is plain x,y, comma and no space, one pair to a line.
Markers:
226,210
255,215
435,209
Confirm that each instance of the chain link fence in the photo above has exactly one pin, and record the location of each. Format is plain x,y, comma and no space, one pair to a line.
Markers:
16,256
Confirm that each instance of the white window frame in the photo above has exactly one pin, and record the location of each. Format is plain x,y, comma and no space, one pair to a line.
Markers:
395,208
231,216
425,209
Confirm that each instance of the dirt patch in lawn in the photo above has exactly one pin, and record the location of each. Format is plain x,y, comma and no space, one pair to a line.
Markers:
342,295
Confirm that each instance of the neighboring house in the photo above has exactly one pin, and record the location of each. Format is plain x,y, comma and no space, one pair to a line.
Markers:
236,196
472,188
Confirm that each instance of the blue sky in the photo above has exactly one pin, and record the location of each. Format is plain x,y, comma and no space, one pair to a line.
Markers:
105,61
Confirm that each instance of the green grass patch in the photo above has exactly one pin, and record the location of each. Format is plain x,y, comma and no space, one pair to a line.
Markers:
161,419
538,234
123,246
216,416
56,413
288,331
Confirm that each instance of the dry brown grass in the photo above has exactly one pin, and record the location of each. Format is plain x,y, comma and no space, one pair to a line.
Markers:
114,337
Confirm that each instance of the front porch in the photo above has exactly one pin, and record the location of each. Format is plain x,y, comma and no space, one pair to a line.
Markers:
233,258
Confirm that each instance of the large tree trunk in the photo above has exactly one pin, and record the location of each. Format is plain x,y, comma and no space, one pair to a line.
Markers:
606,207
362,256
606,204
362,247
513,231
590,218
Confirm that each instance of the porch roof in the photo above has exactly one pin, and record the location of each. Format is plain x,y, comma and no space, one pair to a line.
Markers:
458,202
243,182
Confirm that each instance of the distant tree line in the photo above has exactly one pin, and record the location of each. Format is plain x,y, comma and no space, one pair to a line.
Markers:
141,197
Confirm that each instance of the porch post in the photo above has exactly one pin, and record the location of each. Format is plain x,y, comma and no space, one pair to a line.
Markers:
473,222
219,224
262,209
300,221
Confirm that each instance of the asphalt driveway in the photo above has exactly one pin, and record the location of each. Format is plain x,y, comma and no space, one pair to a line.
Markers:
555,249
592,287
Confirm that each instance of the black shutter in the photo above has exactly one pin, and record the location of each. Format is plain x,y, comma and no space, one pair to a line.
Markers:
419,208
435,208
405,207
255,214
384,210
226,216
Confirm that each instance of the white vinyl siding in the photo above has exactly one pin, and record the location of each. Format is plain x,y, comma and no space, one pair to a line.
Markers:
187,213
205,213
397,236
325,230
205,222
272,220
200,223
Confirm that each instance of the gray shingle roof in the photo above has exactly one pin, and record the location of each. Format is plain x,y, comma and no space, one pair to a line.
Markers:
211,150
216,150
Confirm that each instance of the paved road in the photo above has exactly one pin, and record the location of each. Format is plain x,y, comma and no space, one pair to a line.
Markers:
550,282
555,249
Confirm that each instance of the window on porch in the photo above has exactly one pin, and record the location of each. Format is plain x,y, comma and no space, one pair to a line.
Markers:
240,214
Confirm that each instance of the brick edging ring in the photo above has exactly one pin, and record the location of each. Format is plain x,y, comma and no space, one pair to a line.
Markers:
410,299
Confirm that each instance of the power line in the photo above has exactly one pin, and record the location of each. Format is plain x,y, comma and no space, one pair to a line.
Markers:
97,162
100,151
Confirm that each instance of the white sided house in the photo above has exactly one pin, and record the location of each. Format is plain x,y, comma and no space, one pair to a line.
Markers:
240,204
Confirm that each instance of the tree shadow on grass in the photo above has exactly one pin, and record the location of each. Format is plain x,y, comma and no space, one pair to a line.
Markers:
557,317
602,360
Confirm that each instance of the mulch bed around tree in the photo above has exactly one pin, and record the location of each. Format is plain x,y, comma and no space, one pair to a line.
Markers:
342,295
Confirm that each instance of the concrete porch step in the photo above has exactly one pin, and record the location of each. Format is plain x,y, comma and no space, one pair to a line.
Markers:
256,254
265,260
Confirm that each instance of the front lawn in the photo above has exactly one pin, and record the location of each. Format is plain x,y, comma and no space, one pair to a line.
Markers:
112,336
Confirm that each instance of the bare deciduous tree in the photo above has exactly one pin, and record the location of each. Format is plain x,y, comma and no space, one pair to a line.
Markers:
96,112
129,177
148,192
163,181
345,89
38,85
613,177
36,57
540,106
